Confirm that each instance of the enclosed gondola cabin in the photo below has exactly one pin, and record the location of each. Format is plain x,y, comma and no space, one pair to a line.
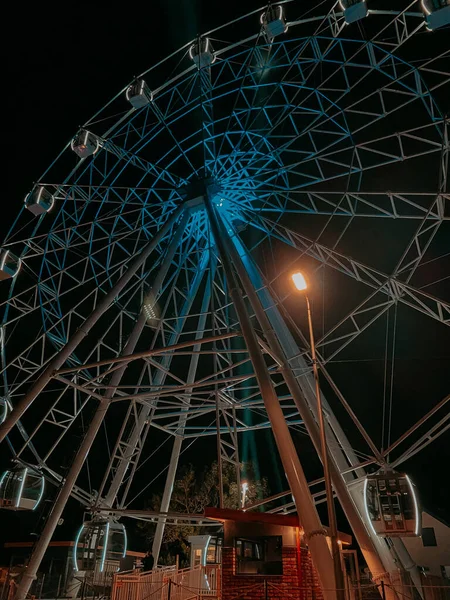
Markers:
437,13
273,22
9,264
354,10
138,94
201,53
391,505
21,489
39,201
85,143
100,546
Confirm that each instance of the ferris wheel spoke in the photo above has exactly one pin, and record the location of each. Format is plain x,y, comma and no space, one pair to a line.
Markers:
137,161
48,290
394,70
427,438
390,286
166,126
417,426
140,421
390,205
69,347
64,415
372,154
64,412
51,286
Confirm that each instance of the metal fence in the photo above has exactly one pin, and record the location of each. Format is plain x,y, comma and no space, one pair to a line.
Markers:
168,584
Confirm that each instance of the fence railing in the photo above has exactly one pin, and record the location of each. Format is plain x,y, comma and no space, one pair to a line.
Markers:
168,583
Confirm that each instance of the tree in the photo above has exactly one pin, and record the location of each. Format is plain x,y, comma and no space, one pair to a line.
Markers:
192,493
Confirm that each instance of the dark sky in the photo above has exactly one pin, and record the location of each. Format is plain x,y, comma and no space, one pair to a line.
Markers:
63,62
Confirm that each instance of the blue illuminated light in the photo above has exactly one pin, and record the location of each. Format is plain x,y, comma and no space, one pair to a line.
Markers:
366,508
77,539
105,547
125,542
22,484
416,505
41,494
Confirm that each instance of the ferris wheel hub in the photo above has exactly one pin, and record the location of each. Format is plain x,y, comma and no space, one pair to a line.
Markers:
195,191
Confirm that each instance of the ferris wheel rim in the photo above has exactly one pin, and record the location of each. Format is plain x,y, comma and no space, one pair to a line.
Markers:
190,70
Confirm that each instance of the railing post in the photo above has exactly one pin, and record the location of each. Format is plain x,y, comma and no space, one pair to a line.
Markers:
169,593
383,591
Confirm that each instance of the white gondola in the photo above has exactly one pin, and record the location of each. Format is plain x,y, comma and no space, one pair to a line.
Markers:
9,264
437,13
273,22
354,10
39,201
391,504
85,143
139,94
202,53
21,489
100,545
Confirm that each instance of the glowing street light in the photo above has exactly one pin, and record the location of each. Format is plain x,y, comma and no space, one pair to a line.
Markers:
301,285
299,281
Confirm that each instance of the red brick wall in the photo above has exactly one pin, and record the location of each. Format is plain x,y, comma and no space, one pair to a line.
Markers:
298,582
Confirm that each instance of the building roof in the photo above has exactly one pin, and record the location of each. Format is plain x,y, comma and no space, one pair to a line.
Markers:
228,514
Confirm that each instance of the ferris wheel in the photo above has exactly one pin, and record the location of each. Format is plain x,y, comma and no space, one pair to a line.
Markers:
143,280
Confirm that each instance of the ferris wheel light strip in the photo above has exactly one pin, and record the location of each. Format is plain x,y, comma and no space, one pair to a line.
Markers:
105,547
126,541
2,263
22,484
416,504
77,539
41,494
366,507
426,10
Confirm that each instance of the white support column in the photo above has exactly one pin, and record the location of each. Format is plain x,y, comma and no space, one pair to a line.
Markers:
168,488
66,489
314,532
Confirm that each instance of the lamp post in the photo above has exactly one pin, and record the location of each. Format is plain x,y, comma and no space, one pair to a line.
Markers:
301,285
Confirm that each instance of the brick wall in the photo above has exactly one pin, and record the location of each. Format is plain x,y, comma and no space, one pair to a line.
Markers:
298,582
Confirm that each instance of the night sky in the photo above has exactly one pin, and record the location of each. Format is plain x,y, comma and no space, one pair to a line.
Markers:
62,64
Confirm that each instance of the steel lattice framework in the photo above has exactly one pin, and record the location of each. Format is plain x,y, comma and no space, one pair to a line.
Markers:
292,143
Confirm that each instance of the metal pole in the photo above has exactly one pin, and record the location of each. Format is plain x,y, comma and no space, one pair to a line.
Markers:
139,327
173,465
338,575
85,328
353,512
64,494
314,532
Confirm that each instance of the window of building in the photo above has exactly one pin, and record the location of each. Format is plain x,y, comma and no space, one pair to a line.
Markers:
428,536
259,556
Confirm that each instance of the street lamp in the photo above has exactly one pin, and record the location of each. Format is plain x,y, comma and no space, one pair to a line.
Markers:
301,285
